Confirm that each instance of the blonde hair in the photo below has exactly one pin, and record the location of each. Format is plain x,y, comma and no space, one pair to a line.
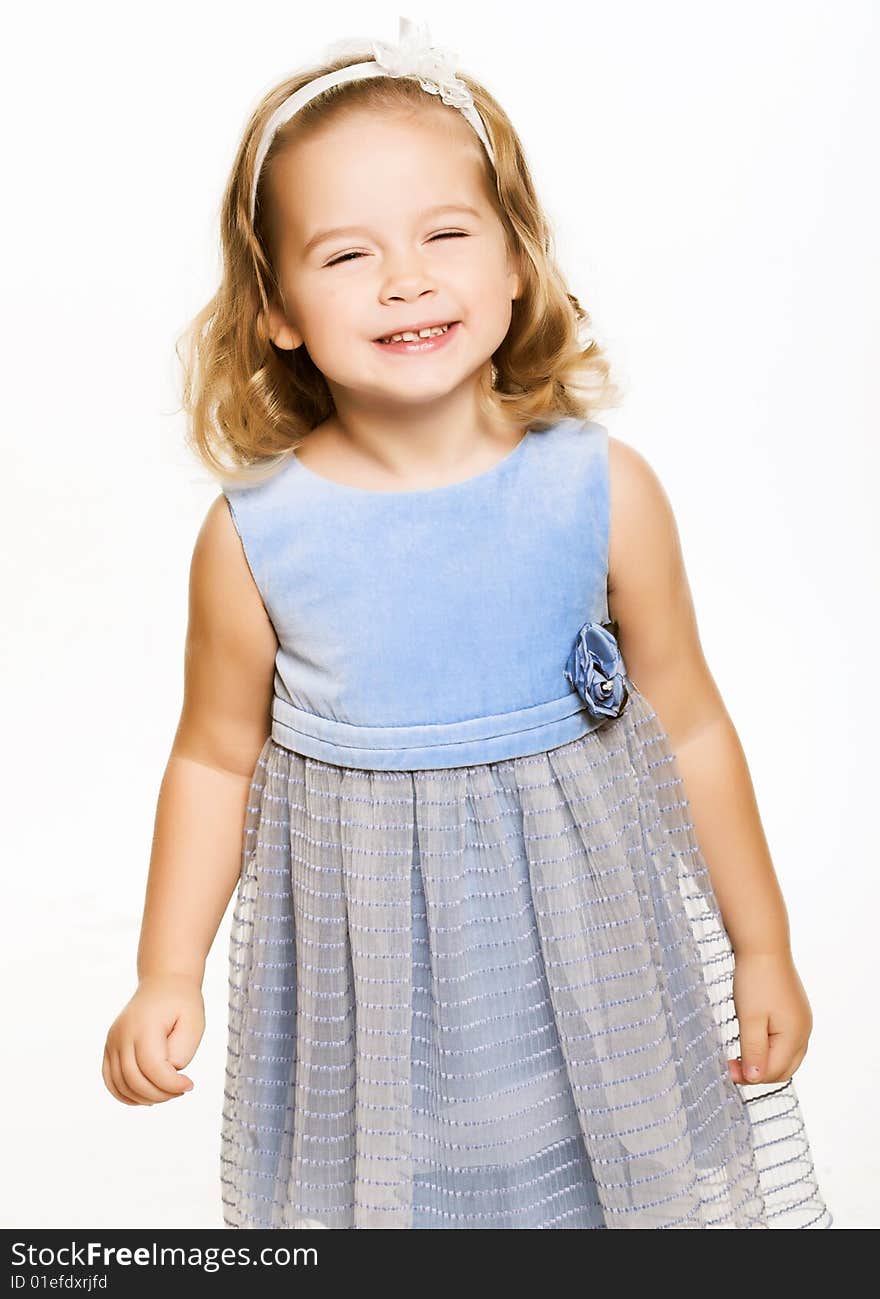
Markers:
250,404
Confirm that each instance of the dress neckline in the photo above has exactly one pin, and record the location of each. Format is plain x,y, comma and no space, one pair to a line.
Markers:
329,483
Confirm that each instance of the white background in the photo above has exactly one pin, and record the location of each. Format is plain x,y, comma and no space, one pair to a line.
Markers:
710,172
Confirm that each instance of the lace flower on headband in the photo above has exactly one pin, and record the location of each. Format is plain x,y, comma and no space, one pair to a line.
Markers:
415,56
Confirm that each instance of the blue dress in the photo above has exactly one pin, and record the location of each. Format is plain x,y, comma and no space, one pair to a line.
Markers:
478,974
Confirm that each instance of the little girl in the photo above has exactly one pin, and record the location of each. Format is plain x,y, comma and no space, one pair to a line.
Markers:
481,974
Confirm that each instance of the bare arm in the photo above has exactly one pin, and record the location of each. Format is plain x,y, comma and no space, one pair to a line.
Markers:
224,722
660,643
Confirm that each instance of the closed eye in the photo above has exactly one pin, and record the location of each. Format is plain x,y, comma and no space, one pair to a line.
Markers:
445,234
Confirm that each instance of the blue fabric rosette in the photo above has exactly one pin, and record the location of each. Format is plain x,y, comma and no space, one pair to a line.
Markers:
596,669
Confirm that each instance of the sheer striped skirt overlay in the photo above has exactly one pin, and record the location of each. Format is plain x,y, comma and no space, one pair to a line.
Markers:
496,996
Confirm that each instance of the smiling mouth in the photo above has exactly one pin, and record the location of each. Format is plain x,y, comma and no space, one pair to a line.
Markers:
411,336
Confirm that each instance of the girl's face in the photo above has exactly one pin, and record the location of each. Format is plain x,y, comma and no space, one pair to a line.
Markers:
415,240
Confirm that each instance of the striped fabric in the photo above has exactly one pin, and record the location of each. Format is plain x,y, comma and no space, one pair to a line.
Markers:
494,996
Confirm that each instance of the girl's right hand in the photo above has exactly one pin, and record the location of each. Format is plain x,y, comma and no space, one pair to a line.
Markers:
155,1034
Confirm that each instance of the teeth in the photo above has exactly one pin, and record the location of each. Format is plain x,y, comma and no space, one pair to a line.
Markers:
409,336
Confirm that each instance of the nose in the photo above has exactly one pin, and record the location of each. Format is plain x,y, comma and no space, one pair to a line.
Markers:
406,278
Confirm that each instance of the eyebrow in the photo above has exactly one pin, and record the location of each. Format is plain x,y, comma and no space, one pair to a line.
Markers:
323,235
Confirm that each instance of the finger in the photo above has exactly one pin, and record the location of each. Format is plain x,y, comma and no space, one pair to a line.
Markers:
783,1059
108,1081
119,1086
754,1048
735,1068
136,1079
798,1060
736,1071
150,1054
116,1073
181,1043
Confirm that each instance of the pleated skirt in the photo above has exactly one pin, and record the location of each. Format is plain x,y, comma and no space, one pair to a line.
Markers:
493,996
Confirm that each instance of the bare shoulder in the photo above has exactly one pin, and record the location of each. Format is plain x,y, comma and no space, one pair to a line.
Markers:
230,651
650,598
642,523
222,587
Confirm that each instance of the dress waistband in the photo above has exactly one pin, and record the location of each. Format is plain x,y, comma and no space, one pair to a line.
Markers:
445,744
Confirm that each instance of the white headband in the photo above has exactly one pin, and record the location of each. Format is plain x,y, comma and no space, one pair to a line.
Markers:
413,56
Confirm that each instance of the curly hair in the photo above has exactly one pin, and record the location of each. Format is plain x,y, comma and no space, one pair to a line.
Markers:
250,404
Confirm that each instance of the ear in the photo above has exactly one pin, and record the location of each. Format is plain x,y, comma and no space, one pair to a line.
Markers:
281,331
514,279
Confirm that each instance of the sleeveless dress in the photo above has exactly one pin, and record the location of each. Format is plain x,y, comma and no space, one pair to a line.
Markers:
478,974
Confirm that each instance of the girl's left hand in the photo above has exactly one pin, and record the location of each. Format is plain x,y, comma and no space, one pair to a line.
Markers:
775,1020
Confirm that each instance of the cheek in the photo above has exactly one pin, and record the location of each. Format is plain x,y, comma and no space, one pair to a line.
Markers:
328,304
489,279
490,295
330,317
